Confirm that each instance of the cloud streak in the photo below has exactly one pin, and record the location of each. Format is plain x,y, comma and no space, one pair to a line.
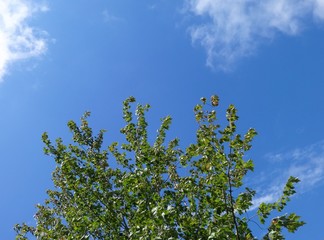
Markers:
109,18
230,30
18,40
305,163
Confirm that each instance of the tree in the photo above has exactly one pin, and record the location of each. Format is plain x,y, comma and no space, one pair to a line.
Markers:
143,190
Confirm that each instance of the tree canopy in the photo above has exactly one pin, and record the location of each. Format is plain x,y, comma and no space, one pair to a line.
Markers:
156,190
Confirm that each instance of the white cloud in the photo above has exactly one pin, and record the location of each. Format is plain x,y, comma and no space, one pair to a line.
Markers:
109,18
18,40
319,9
230,30
272,196
305,163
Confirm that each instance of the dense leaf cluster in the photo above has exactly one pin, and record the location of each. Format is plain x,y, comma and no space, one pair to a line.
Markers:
143,190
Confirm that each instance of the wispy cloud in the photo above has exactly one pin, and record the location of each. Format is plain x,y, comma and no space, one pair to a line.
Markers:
109,18
230,30
19,40
305,163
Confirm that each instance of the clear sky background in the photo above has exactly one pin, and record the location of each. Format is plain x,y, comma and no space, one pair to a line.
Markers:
61,58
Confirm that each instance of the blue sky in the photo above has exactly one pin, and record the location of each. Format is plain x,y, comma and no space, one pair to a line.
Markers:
61,58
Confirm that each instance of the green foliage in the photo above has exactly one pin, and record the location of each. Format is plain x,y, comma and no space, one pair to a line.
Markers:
143,190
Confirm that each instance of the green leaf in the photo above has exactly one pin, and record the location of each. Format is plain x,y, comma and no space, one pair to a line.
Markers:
137,188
